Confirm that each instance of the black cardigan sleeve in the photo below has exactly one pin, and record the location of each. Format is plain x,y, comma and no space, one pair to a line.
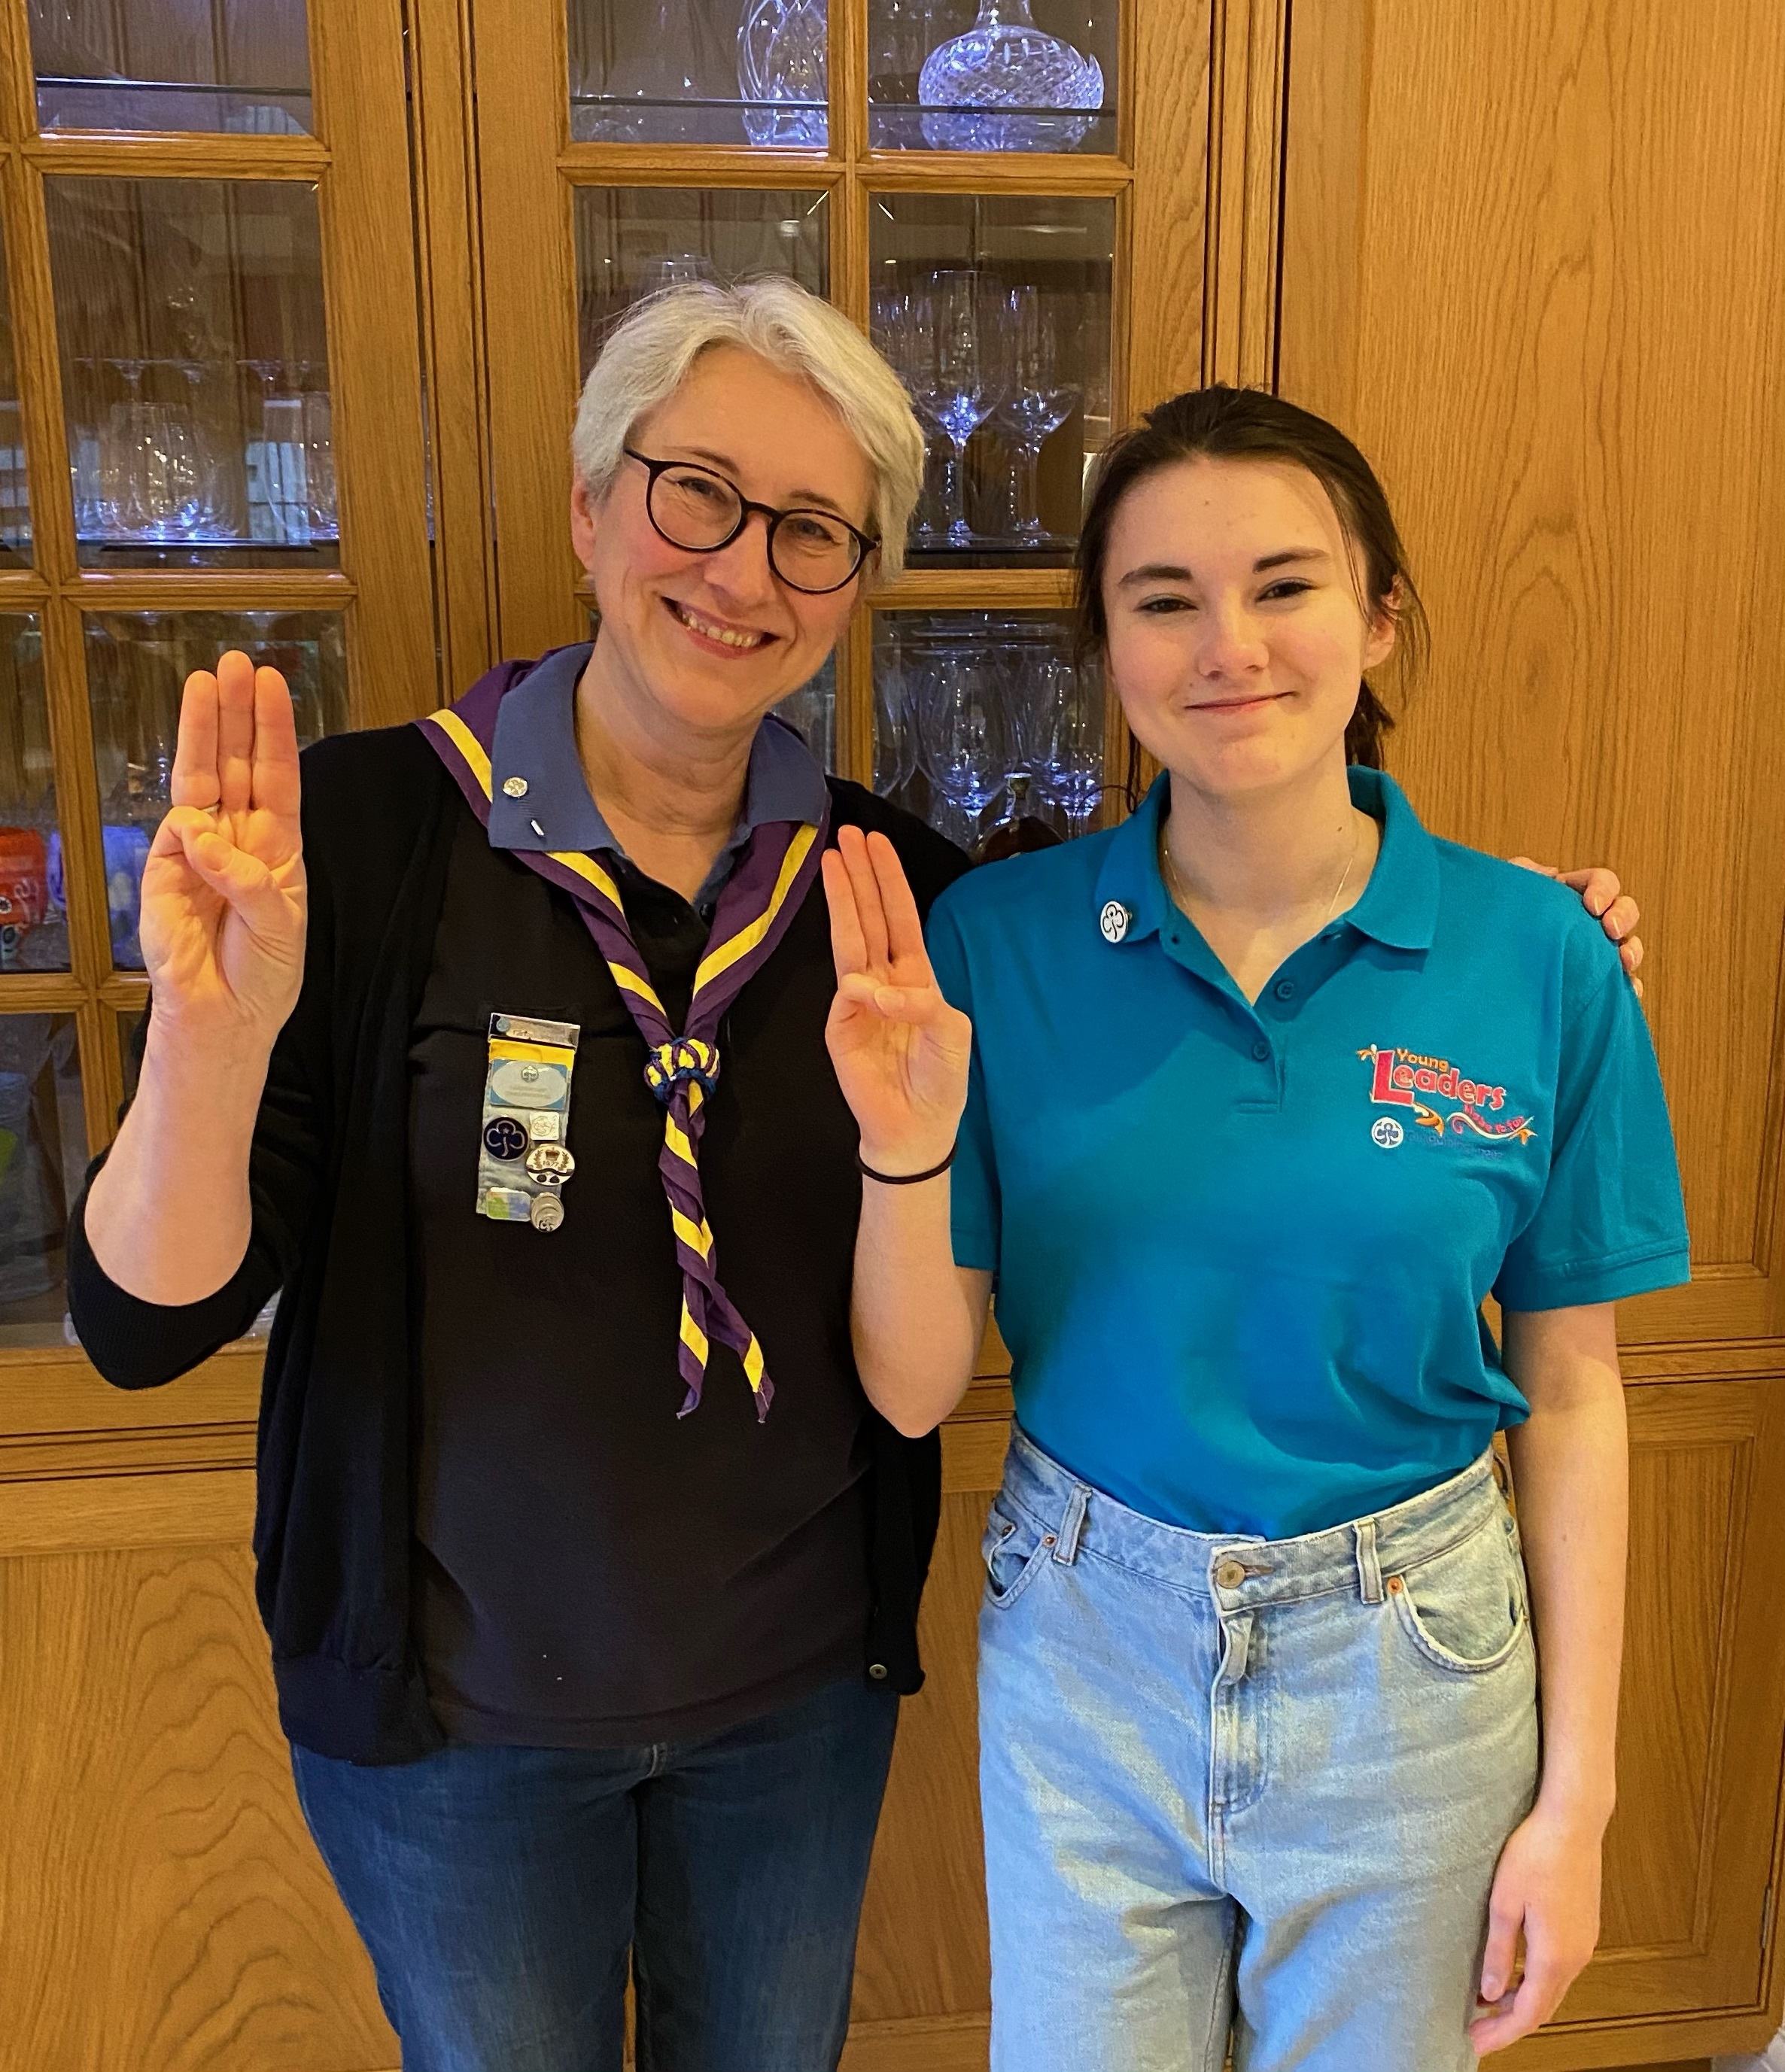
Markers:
136,1344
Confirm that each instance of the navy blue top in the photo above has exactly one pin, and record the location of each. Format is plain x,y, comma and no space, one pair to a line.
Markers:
1241,1249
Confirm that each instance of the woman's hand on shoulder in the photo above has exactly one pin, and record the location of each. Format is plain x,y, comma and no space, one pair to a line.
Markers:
1609,905
900,1050
224,899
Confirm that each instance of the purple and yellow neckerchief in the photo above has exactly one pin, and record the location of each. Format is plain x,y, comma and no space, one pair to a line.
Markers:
774,872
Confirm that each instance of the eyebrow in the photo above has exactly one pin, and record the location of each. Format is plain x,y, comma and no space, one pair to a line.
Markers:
1171,572
801,497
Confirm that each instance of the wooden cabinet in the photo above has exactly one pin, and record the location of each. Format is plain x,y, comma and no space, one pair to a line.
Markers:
1524,252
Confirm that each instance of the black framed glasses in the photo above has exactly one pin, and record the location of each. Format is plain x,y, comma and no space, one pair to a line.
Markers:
700,511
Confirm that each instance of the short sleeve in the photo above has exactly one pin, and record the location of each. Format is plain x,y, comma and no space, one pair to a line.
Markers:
1610,1222
975,1208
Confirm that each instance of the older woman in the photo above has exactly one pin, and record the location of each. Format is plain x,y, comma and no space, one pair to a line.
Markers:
591,1575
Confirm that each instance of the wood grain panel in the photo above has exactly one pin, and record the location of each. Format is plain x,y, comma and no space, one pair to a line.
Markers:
161,1906
1170,97
923,1951
523,114
1691,1850
1513,240
375,357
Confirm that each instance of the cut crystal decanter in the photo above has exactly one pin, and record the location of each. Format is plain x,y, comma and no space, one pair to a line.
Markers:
1005,62
781,73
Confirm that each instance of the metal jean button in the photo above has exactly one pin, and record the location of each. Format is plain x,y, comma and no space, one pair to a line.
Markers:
1230,1574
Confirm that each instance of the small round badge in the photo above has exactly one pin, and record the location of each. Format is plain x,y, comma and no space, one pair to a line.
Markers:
505,1137
515,787
1113,921
547,1213
1387,1132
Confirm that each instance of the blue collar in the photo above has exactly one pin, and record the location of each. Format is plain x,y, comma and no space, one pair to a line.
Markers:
1399,904
535,743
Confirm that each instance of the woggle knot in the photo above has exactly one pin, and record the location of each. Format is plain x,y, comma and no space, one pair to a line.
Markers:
673,1065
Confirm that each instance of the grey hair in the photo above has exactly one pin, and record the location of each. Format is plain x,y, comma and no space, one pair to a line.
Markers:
649,351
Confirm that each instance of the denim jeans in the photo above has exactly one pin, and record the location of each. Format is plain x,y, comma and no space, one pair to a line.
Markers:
1243,1786
500,1890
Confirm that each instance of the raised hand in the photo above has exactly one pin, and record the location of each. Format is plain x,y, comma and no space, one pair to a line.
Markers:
225,901
900,1050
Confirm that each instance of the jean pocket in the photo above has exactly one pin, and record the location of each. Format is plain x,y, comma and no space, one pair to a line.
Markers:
1465,1610
1013,1550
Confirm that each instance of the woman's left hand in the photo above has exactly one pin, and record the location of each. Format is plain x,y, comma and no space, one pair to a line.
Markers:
1606,899
1548,1883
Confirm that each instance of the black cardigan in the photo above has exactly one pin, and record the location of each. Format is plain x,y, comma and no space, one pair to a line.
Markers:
329,1179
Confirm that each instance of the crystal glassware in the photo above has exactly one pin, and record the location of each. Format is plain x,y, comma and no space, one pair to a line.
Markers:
782,75
668,84
1007,77
1034,399
895,727
964,740
1069,746
951,385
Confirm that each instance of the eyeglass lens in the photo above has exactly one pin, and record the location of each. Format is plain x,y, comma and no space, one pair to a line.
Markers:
810,549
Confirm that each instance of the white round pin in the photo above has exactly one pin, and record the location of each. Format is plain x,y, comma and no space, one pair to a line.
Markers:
1113,921
515,787
1387,1132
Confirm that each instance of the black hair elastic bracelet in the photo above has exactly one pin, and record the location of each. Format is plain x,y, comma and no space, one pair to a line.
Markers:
906,1179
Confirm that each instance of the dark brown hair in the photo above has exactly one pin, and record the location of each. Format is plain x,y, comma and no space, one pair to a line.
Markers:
1251,424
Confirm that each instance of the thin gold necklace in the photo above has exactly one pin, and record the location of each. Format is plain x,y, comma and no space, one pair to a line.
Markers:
1175,884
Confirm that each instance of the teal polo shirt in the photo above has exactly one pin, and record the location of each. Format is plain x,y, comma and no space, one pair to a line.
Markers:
1241,1250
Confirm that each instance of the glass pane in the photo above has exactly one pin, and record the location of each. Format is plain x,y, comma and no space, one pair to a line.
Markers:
15,515
811,710
240,65
43,1157
699,72
994,311
137,662
34,922
195,371
983,726
632,241
1017,75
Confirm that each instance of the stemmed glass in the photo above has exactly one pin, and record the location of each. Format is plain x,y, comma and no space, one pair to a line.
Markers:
963,735
898,327
1069,757
894,724
951,381
1034,400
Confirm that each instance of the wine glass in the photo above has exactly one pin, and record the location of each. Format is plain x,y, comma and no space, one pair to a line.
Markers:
963,739
952,382
894,725
1070,746
1034,400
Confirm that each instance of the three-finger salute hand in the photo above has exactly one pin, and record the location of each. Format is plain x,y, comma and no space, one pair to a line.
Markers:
224,900
900,1050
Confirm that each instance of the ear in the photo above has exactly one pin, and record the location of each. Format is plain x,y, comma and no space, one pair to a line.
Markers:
1384,626
583,509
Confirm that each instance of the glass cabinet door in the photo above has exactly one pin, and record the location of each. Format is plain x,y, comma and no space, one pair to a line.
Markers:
965,178
211,435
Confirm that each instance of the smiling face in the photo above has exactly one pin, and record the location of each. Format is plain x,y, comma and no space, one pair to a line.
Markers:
1235,640
716,639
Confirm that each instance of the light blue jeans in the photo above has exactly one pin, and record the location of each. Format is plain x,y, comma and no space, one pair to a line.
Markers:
1246,1786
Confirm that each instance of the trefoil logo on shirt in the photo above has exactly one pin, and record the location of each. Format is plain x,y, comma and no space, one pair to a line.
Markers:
1400,1077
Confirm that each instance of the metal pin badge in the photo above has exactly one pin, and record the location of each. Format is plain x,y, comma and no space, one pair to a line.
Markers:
1113,921
515,787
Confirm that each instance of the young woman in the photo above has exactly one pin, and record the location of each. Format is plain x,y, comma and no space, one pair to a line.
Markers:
1251,1103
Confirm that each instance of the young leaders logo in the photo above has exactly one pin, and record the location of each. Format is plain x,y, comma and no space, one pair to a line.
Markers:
1399,1078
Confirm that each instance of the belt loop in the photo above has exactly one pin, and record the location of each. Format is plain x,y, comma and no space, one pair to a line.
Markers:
1369,1572
1066,1545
